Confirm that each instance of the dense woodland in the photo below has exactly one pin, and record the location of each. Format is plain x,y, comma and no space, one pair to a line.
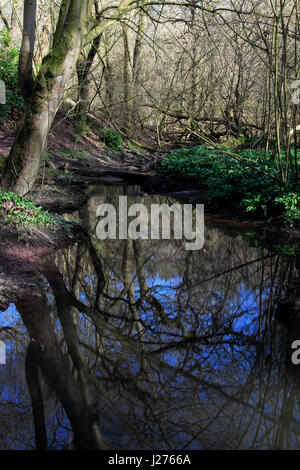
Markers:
221,75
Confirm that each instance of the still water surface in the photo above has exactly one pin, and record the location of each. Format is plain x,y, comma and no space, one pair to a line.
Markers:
144,345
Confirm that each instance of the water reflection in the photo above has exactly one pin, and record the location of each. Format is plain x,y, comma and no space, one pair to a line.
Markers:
144,345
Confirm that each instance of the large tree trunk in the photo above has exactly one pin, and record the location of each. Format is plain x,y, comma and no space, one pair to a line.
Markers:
27,48
15,25
55,367
27,152
34,386
127,82
137,62
83,68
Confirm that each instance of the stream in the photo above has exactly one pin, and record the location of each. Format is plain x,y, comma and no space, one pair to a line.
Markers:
123,344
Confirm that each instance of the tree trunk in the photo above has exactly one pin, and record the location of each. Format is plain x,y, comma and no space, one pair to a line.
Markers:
55,367
194,39
15,28
127,83
27,48
137,63
83,68
34,386
3,18
108,76
25,157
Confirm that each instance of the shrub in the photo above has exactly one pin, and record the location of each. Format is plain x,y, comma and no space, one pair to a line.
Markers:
234,142
24,212
225,178
9,75
291,204
113,139
95,124
81,127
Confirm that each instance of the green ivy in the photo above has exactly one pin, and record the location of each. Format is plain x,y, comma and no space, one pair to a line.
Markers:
225,178
9,75
113,139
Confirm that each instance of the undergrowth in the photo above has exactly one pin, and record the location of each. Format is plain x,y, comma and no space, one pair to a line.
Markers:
24,212
9,57
252,187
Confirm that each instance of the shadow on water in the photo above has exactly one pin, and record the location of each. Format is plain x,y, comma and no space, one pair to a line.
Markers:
143,345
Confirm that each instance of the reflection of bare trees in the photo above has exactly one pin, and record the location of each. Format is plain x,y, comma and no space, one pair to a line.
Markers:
46,353
147,345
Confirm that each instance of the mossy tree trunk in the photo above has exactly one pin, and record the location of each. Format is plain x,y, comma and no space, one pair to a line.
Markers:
27,48
28,149
137,61
83,68
127,83
107,72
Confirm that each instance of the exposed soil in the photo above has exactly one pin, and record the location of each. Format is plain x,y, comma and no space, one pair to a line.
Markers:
21,254
75,163
17,249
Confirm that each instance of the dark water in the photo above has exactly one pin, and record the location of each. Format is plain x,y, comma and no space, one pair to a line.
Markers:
145,345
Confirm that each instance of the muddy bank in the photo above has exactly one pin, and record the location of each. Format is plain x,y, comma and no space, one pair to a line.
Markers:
63,188
23,251
74,161
62,184
20,250
227,215
66,185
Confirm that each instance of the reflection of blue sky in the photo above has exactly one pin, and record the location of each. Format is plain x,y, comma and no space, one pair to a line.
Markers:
164,284
249,304
14,396
219,358
10,317
13,371
245,301
218,363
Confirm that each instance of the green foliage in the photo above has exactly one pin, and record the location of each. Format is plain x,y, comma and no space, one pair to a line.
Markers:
77,153
74,154
281,246
66,176
2,164
81,127
65,153
95,124
291,203
113,139
234,142
225,178
9,75
5,37
23,212
255,203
